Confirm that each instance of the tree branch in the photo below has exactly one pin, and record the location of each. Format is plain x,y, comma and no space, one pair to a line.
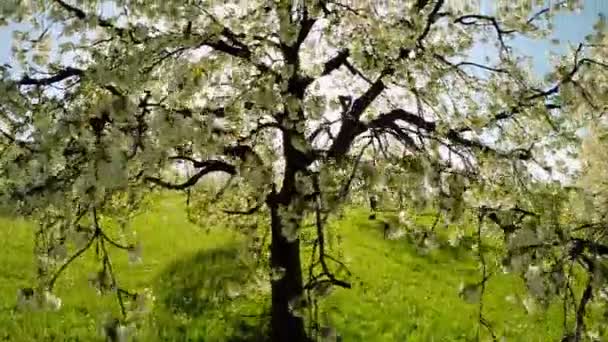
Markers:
249,211
387,120
75,256
347,185
77,12
473,19
81,15
351,125
207,167
465,63
196,163
580,312
543,11
236,49
321,238
431,19
335,62
58,77
581,244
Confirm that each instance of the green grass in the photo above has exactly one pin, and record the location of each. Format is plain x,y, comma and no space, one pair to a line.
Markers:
398,294
404,295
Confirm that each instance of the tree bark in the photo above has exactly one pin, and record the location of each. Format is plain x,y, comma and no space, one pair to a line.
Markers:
285,255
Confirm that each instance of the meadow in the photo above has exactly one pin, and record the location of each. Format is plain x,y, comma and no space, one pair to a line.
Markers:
200,280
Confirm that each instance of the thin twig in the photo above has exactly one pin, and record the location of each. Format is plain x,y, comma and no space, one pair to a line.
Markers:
70,260
580,312
484,279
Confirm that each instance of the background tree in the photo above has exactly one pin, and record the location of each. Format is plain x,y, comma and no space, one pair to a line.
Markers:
289,99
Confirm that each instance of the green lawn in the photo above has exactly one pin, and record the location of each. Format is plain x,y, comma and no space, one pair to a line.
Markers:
196,274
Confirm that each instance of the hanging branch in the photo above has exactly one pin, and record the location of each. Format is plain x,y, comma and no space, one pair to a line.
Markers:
484,279
581,311
98,233
431,19
114,243
51,283
188,195
346,187
206,167
58,77
568,293
436,221
313,301
246,212
321,242
485,20
107,263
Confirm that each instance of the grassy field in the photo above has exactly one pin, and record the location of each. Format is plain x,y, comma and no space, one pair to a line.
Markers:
399,294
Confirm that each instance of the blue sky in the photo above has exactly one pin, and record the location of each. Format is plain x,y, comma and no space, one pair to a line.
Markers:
569,28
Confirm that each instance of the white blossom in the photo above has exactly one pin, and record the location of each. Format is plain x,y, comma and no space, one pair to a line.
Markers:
135,253
51,301
530,305
471,293
277,273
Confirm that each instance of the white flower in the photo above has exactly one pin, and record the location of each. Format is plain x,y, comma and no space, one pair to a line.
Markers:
51,301
143,301
431,243
604,293
26,299
328,334
323,289
395,234
533,270
114,330
297,305
277,273
135,253
454,241
123,332
30,299
456,238
232,290
403,220
290,232
220,124
535,281
530,305
593,335
471,293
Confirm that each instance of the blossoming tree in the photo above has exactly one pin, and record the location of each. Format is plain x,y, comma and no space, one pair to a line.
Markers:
294,101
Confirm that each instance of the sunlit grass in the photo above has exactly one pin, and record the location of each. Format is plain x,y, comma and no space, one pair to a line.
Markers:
398,293
405,295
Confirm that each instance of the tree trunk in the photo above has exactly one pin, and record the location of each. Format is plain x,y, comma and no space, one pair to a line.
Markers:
285,326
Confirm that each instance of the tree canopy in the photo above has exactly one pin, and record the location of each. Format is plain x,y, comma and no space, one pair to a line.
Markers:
303,106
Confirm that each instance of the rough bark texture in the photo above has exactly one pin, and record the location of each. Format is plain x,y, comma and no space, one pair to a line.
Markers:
285,255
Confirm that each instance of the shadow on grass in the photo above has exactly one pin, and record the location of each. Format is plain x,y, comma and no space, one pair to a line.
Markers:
207,290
